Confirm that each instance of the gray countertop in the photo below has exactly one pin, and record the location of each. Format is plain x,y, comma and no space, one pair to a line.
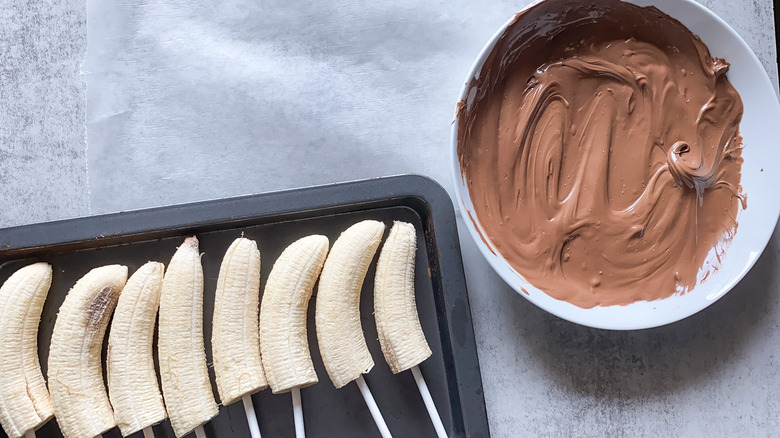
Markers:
351,92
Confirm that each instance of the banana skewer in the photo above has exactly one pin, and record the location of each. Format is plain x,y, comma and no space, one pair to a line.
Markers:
339,331
25,403
235,339
181,353
132,380
397,322
75,367
283,336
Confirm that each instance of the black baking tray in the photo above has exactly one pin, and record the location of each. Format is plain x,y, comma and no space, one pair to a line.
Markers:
276,219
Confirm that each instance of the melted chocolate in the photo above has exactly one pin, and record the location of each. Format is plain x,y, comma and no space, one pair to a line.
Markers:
600,146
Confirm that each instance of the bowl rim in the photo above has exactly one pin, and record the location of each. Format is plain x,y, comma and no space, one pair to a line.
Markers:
511,277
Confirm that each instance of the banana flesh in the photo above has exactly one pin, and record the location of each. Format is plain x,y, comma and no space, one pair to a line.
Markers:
235,339
132,380
181,353
75,367
339,331
25,403
397,323
283,336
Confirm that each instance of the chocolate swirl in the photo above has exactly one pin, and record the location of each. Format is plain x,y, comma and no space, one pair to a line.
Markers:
601,151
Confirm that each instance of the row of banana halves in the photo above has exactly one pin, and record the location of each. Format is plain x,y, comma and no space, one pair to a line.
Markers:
247,358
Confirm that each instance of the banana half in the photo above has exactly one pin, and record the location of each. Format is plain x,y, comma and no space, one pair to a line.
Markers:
25,403
397,323
339,331
132,380
283,336
75,364
185,377
235,339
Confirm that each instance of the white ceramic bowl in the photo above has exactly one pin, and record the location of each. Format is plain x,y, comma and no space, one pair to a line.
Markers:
760,171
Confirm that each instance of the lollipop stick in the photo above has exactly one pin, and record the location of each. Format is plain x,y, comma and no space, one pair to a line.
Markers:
251,417
199,432
148,432
29,434
426,396
298,412
380,422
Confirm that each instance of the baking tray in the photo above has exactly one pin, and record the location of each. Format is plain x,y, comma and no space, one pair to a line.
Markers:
275,220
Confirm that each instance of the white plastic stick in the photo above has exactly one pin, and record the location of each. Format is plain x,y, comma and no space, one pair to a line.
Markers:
251,417
199,432
426,396
148,432
298,412
29,434
380,422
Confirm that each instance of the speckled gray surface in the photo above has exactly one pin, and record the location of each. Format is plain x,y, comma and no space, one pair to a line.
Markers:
381,111
42,149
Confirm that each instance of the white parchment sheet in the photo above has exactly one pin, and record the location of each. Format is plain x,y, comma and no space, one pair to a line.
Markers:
245,96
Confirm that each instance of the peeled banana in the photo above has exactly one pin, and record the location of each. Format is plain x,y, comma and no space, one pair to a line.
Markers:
283,338
75,366
339,331
185,378
235,337
132,380
397,323
25,403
